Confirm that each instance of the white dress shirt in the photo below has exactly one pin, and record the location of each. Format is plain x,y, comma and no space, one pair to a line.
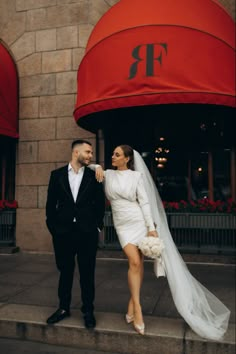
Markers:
75,179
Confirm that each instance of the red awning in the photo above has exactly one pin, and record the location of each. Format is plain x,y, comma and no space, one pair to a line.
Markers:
8,95
158,52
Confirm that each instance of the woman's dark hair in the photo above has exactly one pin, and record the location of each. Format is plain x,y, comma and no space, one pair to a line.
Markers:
128,152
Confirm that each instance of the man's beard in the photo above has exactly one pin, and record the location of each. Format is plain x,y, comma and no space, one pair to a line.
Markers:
82,161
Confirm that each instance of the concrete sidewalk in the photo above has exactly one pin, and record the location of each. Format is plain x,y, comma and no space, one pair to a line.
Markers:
28,295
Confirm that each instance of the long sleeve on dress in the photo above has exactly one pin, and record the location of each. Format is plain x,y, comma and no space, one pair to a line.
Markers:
93,166
144,204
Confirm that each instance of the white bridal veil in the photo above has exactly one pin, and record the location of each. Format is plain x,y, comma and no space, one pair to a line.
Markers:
204,313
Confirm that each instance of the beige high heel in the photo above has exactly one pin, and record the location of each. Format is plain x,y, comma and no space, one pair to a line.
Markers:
139,328
129,318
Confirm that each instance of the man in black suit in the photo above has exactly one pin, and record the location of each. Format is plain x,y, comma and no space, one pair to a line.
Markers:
74,216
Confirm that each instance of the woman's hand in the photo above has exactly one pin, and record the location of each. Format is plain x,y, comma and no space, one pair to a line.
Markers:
99,174
153,233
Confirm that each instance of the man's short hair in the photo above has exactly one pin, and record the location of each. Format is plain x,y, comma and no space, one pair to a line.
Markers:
79,142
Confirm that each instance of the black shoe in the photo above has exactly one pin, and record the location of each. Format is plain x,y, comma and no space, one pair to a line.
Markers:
57,316
89,320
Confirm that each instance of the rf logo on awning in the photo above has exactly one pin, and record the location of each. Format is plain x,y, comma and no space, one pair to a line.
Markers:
149,54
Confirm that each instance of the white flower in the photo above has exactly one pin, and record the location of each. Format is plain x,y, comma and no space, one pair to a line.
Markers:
151,246
155,250
145,248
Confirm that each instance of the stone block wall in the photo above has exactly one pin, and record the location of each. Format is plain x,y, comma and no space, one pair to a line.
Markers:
47,39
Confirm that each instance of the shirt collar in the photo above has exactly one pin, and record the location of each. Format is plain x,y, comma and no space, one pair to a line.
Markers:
70,168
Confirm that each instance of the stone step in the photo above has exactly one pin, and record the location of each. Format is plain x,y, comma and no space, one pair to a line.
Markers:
9,249
112,334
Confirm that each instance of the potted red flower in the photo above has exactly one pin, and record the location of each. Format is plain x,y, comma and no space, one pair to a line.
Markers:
201,206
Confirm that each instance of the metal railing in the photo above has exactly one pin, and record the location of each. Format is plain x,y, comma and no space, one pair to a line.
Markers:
193,232
7,227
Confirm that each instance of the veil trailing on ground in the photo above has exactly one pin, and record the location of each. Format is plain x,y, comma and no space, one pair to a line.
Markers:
202,310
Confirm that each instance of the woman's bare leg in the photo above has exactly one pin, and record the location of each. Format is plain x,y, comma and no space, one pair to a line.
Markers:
130,311
135,277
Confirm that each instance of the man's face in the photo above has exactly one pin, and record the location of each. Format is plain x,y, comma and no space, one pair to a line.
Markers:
84,154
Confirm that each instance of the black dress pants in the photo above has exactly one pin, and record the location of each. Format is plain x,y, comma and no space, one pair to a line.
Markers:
68,247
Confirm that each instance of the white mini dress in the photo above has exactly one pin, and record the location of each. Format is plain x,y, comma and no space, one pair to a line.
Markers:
130,207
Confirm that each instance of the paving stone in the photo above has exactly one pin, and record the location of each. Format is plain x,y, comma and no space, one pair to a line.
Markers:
28,288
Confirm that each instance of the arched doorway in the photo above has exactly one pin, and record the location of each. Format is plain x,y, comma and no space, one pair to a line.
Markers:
9,102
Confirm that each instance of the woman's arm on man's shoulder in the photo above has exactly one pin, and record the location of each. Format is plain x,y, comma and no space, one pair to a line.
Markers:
99,172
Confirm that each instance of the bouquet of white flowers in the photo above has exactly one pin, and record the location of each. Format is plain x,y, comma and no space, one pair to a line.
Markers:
151,246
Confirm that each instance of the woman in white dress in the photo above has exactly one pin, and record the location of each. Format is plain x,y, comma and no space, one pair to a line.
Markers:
132,220
138,212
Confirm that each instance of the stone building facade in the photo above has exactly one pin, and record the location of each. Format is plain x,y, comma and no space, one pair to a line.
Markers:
47,40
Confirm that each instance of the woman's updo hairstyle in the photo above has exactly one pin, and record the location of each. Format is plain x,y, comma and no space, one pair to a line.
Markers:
128,152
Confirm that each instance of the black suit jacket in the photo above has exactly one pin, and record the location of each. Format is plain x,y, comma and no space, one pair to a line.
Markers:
88,210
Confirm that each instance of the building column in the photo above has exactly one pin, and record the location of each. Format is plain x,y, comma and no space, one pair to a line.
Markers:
189,179
210,177
100,152
233,173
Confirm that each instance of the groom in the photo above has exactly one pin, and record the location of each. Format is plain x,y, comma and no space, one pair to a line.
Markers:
74,216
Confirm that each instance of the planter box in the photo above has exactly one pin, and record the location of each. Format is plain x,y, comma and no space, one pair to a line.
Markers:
7,227
219,221
203,232
192,232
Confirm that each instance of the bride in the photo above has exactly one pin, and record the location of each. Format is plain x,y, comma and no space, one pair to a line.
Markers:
137,211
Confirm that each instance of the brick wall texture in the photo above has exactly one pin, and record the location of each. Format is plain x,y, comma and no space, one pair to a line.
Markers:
47,39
